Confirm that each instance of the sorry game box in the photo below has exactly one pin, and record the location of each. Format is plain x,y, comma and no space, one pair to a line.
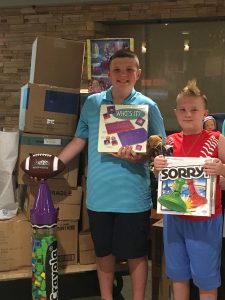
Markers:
184,188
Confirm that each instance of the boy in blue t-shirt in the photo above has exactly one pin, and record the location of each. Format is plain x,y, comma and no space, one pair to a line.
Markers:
118,193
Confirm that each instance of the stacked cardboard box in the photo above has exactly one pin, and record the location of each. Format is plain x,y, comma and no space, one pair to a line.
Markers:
68,201
50,102
52,144
49,110
16,244
46,109
57,62
86,248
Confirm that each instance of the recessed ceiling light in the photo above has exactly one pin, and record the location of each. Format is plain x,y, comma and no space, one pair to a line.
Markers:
185,32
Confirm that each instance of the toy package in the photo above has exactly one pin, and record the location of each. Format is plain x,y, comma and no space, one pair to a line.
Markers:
123,125
184,189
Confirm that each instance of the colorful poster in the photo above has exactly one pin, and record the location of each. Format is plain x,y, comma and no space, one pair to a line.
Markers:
99,52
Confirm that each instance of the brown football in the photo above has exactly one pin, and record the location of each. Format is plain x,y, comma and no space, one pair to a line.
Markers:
42,165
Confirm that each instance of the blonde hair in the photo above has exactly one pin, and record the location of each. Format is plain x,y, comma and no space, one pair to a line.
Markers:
191,89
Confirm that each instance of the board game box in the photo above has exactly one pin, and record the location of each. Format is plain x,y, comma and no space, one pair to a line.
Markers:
184,188
123,125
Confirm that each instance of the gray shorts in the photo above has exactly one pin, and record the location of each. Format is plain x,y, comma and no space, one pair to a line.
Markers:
124,235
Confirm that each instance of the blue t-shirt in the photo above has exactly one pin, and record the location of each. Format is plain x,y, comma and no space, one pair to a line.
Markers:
113,184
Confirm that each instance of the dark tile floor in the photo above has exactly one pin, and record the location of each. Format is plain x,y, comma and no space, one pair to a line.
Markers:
77,286
70,286
84,286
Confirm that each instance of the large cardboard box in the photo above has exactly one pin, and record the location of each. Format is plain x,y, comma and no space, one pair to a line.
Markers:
16,243
86,248
67,235
48,110
67,200
34,143
57,62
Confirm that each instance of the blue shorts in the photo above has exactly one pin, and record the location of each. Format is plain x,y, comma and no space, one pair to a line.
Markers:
124,235
193,250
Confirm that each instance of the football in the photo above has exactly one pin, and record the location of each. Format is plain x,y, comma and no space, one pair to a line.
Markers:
42,165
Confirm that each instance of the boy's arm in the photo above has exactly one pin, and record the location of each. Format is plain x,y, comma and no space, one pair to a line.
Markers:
221,153
221,147
73,148
216,166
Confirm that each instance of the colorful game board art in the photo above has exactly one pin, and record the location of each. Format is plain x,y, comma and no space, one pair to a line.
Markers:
184,188
123,125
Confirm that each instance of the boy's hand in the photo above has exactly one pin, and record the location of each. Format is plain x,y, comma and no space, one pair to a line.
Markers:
214,167
159,163
127,153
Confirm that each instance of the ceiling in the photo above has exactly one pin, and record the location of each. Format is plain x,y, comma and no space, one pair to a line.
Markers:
19,3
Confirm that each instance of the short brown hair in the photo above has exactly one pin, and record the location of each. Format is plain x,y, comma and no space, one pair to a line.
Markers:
124,53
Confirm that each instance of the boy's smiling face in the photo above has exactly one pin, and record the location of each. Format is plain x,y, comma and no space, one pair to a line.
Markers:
190,112
124,72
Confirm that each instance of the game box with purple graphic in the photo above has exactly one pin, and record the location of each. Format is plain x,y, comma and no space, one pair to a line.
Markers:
123,125
185,189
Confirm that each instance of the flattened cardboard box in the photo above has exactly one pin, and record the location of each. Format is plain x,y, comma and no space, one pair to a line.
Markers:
67,236
57,62
86,248
87,257
67,200
34,143
16,243
48,110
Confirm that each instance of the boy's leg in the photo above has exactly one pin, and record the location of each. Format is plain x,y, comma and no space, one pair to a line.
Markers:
121,235
221,290
101,226
131,243
205,256
203,247
208,294
181,290
105,271
139,272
